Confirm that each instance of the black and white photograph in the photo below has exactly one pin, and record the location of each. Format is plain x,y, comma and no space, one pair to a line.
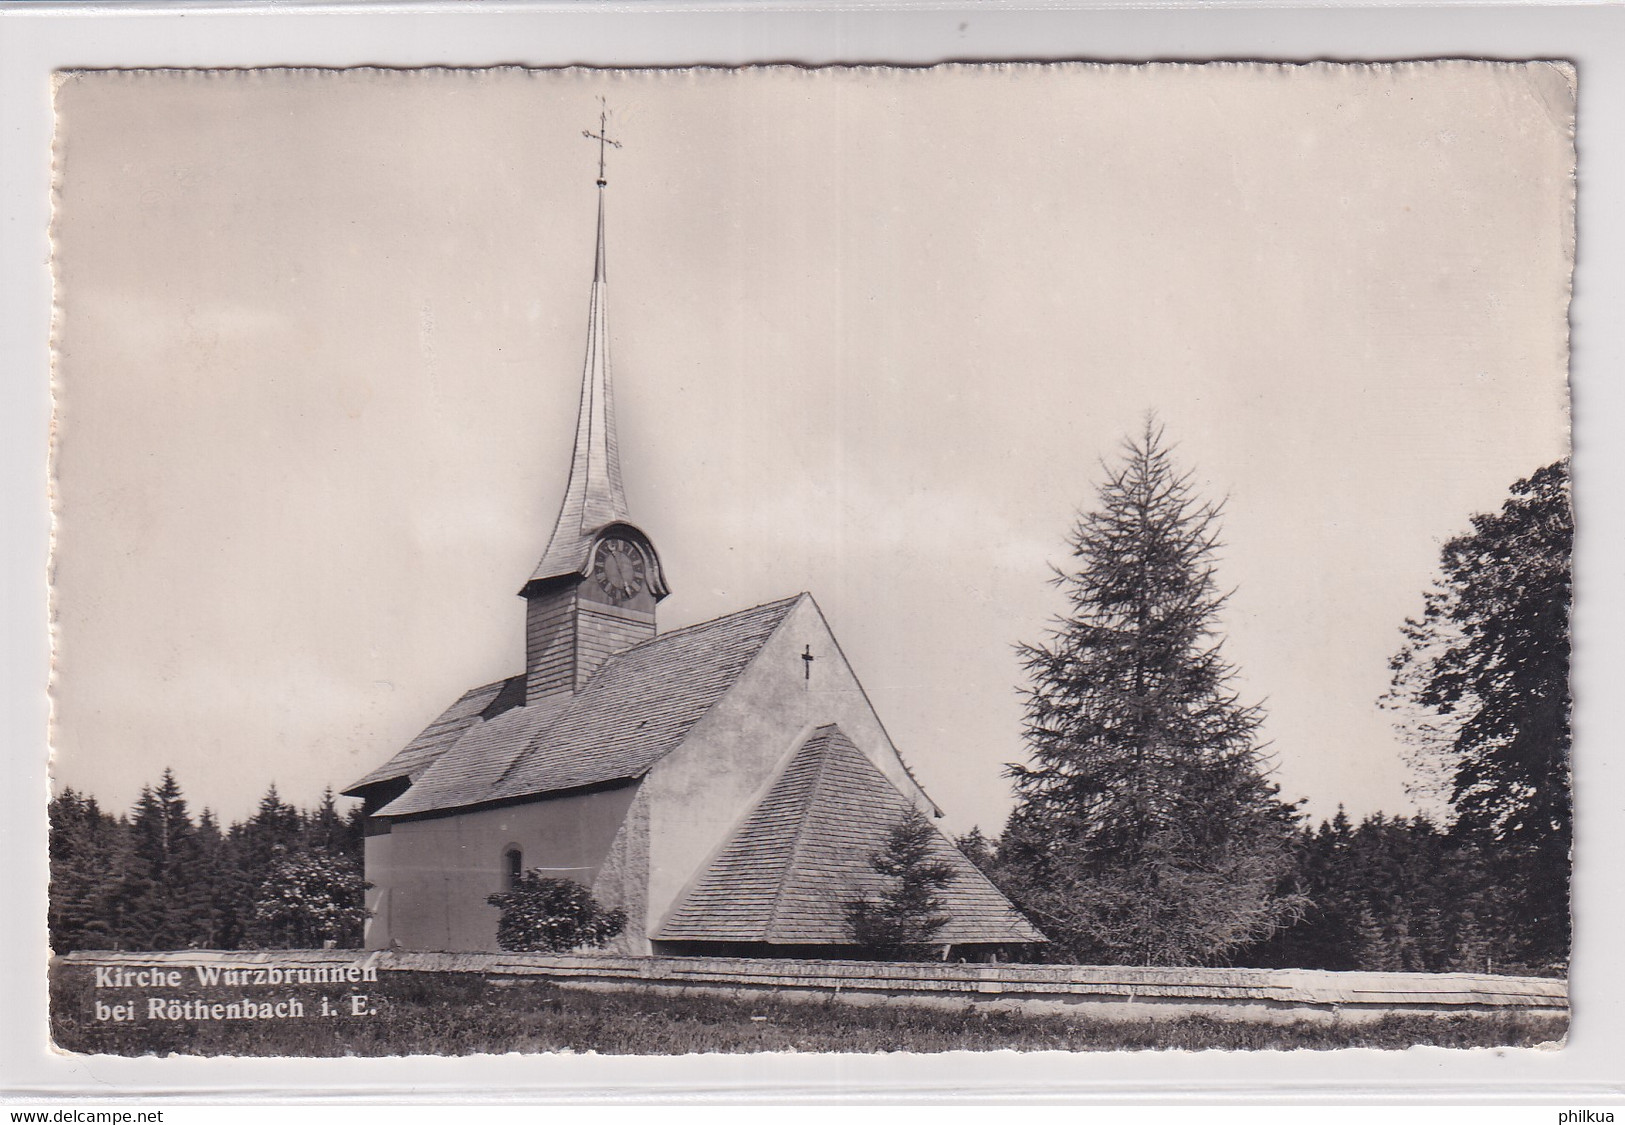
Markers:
980,557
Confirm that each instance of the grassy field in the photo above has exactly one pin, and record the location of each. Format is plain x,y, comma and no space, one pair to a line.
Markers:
446,1014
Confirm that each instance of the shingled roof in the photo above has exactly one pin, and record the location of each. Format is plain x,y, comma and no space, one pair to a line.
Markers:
483,702
803,853
638,707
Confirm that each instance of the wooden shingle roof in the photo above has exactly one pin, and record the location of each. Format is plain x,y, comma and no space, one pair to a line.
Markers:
419,754
638,707
803,853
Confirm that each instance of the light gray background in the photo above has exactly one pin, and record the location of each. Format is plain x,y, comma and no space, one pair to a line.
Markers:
350,37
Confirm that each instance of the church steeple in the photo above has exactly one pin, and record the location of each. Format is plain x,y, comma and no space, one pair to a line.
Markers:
594,495
595,588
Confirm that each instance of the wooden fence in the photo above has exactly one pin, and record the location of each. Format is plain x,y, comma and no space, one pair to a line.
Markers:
1119,992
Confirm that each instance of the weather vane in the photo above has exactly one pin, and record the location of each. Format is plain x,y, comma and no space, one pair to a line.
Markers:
602,137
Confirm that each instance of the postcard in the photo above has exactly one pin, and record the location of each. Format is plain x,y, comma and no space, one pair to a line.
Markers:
1042,556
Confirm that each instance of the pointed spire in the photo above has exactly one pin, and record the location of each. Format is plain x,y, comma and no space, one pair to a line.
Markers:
594,496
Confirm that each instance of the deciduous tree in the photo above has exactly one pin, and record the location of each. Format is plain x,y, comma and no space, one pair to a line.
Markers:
1481,688
308,899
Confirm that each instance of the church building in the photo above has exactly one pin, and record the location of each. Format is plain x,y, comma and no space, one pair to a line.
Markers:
726,784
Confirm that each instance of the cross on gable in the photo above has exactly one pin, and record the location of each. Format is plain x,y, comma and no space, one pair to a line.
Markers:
602,137
807,659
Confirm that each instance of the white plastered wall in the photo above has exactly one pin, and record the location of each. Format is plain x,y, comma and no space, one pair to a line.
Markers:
698,794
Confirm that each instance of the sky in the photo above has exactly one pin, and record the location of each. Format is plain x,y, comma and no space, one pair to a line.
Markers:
319,341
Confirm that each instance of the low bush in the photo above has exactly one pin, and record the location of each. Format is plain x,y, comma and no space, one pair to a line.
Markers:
548,915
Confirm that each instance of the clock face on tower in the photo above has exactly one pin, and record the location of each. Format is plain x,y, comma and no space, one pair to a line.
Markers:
619,568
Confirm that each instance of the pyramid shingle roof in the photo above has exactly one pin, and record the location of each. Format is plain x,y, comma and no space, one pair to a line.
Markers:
638,707
803,852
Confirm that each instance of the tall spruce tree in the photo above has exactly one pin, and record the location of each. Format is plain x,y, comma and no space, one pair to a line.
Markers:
325,827
1481,685
215,881
165,904
256,846
1145,831
89,851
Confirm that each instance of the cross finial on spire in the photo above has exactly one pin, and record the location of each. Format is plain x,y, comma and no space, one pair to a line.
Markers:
593,498
602,137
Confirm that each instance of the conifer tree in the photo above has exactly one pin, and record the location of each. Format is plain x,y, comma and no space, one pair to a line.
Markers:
256,845
330,831
355,832
979,849
1145,830
163,899
898,922
214,882
88,851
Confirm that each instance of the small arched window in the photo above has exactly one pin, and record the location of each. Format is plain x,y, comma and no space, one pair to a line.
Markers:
513,863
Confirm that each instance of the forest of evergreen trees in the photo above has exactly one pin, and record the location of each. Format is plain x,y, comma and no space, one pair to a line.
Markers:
1146,828
1397,894
1388,893
156,878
